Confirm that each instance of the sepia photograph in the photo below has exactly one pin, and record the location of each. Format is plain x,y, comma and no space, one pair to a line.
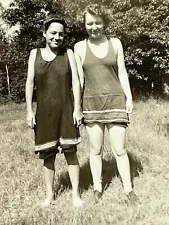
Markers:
84,112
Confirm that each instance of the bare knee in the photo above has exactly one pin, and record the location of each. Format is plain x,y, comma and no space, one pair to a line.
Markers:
120,152
95,151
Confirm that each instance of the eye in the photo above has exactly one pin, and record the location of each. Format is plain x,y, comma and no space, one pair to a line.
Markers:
98,22
90,24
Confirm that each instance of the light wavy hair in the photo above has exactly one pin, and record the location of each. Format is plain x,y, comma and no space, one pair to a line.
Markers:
98,10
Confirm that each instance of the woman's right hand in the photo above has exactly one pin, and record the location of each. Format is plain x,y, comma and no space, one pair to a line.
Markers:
31,119
77,117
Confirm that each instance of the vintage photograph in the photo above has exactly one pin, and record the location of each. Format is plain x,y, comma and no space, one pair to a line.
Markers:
84,112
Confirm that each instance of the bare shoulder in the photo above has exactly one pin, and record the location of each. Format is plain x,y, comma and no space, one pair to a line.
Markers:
33,53
70,55
115,42
79,45
80,50
69,51
117,45
31,63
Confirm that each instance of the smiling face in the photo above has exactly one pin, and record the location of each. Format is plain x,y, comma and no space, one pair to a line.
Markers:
54,35
94,25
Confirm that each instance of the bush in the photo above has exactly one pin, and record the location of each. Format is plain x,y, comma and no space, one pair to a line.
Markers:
142,25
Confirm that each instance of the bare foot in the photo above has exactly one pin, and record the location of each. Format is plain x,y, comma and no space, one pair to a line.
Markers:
48,201
97,195
77,202
132,197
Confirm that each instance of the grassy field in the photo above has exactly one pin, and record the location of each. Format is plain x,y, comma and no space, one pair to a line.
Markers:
22,186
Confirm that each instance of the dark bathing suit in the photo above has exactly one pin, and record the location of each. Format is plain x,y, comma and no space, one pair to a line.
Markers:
54,114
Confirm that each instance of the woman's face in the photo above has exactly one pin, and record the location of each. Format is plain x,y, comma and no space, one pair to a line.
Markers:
94,25
54,35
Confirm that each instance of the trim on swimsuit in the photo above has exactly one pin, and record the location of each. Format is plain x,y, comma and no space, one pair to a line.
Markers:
106,121
45,146
69,141
105,111
63,142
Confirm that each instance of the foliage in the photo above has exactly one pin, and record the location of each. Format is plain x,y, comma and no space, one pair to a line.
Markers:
145,33
3,55
142,25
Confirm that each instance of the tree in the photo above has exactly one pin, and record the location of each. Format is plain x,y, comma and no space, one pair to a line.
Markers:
143,28
4,78
142,25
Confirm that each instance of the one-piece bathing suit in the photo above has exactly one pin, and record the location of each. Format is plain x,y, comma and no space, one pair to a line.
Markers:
54,114
104,100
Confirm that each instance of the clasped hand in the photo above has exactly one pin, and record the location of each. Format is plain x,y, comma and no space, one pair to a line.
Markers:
77,117
31,119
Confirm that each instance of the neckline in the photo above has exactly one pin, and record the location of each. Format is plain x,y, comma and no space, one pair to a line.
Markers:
94,53
48,61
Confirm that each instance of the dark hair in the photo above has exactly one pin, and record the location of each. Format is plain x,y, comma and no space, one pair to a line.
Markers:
52,18
99,10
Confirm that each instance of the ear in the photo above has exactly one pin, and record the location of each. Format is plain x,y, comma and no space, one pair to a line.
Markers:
44,34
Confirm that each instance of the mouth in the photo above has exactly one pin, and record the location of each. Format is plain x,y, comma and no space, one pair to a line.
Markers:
56,42
95,33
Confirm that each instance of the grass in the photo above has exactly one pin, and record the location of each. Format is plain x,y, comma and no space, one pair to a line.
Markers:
22,185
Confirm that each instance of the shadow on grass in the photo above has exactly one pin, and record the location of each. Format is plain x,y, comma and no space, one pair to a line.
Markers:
166,128
109,171
135,166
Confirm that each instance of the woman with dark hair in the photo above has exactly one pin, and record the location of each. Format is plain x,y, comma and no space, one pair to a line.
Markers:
107,98
56,122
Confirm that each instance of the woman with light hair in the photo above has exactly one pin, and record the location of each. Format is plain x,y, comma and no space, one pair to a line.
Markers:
107,98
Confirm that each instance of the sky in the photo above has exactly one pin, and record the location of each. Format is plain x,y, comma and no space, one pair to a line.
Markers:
5,3
10,31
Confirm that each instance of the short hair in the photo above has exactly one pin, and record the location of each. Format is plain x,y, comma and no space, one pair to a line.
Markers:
52,18
99,10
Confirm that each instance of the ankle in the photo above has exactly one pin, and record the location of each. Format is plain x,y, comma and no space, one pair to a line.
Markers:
50,195
75,193
76,200
128,190
98,187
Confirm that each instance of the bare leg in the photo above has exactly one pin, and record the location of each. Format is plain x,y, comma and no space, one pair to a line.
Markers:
49,170
96,134
117,140
73,170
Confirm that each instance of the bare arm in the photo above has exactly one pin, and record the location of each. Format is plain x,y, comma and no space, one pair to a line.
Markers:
79,65
123,76
77,115
29,88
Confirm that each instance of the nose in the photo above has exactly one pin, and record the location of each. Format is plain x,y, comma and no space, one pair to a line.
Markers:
94,27
57,36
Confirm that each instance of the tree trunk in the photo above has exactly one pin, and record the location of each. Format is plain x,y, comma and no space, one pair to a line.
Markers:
8,81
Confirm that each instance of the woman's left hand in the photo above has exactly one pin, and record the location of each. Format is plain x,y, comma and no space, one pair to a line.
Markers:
129,106
77,117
